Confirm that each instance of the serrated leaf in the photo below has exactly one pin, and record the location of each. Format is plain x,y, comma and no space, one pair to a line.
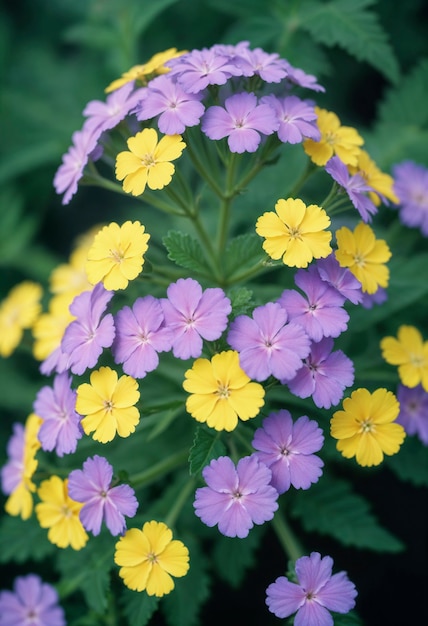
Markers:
138,607
185,251
232,557
206,446
411,463
406,103
243,251
331,508
22,540
241,299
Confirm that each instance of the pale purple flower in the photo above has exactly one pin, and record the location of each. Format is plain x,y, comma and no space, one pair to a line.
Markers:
140,335
57,361
319,311
60,430
101,501
31,603
242,120
324,375
355,186
316,593
193,314
288,449
103,116
297,118
269,67
341,278
411,188
176,108
267,344
370,299
236,498
12,470
413,414
296,76
197,69
85,337
69,173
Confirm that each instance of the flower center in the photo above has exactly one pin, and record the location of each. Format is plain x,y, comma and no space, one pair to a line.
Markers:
417,360
294,233
359,260
367,426
66,511
152,557
148,160
223,391
108,405
117,255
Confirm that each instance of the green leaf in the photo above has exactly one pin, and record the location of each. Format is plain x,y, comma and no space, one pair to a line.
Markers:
232,557
411,463
406,103
242,252
240,8
22,540
206,446
349,619
138,607
185,251
241,299
331,508
348,24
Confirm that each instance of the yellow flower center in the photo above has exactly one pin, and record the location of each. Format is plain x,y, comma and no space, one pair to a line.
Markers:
417,360
359,260
108,405
294,233
367,426
117,255
152,557
148,160
330,138
223,391
66,511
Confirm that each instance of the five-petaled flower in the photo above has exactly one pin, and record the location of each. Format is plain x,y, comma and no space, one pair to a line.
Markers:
410,352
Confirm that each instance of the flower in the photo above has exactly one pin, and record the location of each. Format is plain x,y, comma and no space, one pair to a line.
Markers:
340,278
410,352
140,334
150,557
155,65
295,232
108,405
296,76
297,118
257,62
31,603
192,315
148,162
60,429
267,343
58,512
381,183
18,311
413,414
364,255
343,141
365,428
221,392
48,331
117,254
236,498
288,448
103,116
316,592
92,487
411,189
323,375
241,120
197,69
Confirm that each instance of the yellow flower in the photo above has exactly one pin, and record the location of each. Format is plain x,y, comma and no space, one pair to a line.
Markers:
155,65
148,161
117,255
108,404
49,328
296,232
58,512
375,178
222,392
70,279
18,311
365,427
148,559
342,141
364,255
410,352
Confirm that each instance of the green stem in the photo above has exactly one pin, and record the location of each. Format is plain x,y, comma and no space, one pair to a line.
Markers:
146,477
180,501
224,219
286,537
307,172
198,161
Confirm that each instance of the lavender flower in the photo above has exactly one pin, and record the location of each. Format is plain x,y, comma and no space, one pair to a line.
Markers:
140,335
31,603
288,448
176,108
296,76
87,335
269,67
241,121
236,498
267,344
92,486
12,471
60,430
199,68
324,375
411,187
413,414
102,116
370,299
320,311
340,278
316,593
297,118
193,315
355,186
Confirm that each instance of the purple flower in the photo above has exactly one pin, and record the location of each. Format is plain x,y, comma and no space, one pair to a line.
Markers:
324,375
288,448
176,108
61,428
320,311
140,335
411,187
87,335
316,593
31,603
297,118
236,498
340,278
199,68
92,486
355,186
103,116
12,471
269,67
241,121
370,299
413,414
296,76
267,344
69,173
193,315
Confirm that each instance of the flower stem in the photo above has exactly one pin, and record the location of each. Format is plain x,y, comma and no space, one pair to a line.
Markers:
180,501
286,537
146,477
